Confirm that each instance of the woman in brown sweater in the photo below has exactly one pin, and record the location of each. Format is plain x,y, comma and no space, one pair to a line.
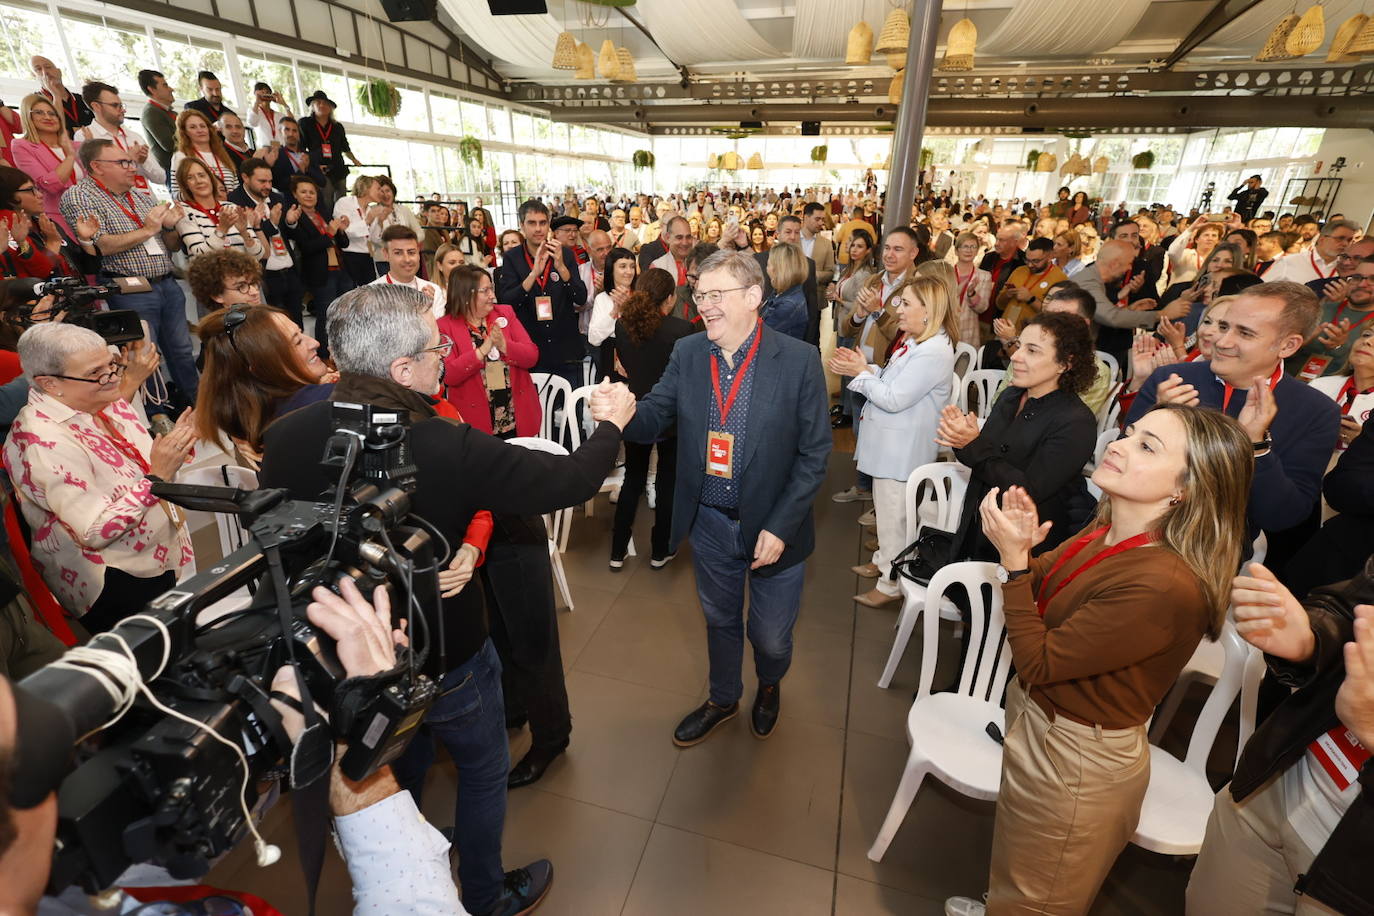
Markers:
1100,628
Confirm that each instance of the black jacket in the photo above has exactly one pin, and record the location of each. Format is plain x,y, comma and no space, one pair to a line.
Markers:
1339,550
813,299
240,197
334,166
644,363
461,470
1340,876
283,169
314,249
1043,449
559,341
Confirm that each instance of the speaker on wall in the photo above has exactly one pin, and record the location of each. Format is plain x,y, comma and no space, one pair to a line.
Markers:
517,7
811,128
408,10
756,125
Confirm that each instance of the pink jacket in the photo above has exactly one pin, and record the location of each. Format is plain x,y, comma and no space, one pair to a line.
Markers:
463,382
40,165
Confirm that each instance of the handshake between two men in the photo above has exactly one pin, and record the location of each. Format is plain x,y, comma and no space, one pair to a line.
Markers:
614,402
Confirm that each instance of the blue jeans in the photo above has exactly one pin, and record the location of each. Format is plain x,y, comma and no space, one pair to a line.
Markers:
722,559
164,308
470,719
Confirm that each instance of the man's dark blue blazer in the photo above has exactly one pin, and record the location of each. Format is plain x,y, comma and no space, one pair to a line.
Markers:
786,446
1289,479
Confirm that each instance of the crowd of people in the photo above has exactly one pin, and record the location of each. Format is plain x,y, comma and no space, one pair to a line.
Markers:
736,329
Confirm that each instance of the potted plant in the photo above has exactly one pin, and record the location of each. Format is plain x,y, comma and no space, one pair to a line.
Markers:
470,149
642,159
820,153
379,98
1032,158
1143,160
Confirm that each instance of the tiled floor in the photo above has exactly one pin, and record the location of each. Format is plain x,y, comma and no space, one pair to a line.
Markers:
635,826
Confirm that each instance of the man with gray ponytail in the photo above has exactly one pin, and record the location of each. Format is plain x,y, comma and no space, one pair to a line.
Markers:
390,354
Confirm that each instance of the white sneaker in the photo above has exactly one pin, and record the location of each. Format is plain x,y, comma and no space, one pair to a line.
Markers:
651,493
852,495
868,518
964,906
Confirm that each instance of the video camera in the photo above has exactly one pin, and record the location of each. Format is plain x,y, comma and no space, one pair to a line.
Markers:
79,301
176,792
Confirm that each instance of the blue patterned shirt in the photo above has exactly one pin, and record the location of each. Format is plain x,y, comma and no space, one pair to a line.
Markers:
721,491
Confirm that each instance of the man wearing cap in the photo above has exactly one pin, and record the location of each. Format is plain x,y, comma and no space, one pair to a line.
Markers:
327,143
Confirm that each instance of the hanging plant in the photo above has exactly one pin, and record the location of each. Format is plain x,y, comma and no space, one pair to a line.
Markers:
470,149
379,98
1031,159
642,159
1077,135
927,158
1143,160
820,153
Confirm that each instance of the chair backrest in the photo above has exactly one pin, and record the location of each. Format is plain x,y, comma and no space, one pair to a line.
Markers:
1237,654
579,398
1112,364
554,394
1109,414
554,521
945,483
977,389
988,661
232,534
966,358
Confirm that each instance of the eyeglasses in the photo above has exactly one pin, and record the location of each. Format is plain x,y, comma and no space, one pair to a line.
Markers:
118,163
244,288
105,378
443,349
27,189
119,105
714,296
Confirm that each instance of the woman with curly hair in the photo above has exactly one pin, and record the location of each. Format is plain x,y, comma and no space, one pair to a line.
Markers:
644,340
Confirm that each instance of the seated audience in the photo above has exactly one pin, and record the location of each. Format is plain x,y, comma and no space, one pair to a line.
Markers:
37,248
46,154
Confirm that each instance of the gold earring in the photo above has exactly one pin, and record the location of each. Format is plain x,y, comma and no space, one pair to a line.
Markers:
1174,500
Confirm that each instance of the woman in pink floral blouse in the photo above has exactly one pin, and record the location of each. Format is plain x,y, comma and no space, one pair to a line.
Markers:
83,465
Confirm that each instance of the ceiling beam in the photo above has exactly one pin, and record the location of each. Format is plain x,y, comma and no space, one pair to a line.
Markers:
1222,13
1047,114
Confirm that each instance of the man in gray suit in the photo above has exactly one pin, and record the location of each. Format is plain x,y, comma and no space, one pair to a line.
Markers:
753,439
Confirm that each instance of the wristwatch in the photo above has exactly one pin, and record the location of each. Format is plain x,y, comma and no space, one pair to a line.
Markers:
1264,444
1005,575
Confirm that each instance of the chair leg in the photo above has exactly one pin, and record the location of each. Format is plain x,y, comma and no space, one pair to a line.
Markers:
912,777
1172,700
560,578
911,612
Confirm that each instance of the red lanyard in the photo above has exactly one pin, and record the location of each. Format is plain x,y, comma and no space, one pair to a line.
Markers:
131,213
1042,602
74,113
1312,255
1261,270
1125,296
1337,317
214,160
271,119
324,134
543,281
681,272
212,213
1040,276
295,161
320,224
963,284
157,104
1273,381
71,179
726,404
1348,394
128,449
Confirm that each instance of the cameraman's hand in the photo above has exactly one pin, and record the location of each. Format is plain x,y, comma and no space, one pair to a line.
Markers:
459,572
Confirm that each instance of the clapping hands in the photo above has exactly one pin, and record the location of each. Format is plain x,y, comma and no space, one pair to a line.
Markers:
956,429
1014,528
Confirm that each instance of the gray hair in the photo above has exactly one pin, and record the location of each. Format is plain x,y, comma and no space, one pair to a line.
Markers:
90,150
373,326
740,265
45,348
1332,225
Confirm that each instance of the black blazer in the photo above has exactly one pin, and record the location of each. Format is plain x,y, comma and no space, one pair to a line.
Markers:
1043,449
644,363
813,299
334,166
649,252
314,249
282,170
240,197
786,446
559,341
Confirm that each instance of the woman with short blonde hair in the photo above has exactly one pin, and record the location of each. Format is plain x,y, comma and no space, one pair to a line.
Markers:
786,309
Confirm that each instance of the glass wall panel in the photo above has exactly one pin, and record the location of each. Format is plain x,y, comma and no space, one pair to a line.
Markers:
277,72
27,29
110,51
184,56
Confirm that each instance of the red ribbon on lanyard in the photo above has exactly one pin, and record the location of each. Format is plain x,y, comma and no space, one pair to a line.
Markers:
1273,381
725,404
1042,602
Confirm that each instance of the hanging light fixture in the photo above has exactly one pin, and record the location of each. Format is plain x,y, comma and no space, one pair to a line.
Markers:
1276,46
756,161
1100,165
565,52
1309,34
894,90
607,62
1047,162
1345,35
1363,42
627,66
858,48
959,46
586,63
896,33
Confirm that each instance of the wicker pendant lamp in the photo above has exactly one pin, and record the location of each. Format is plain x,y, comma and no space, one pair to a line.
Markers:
1363,42
712,161
896,33
586,63
565,52
1276,46
607,63
1309,34
894,90
627,66
756,161
1339,52
1047,162
858,48
1100,165
959,47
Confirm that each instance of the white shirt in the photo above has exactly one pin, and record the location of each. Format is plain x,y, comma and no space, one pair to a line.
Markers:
602,325
148,168
808,245
267,127
1301,267
224,173
422,285
358,231
276,260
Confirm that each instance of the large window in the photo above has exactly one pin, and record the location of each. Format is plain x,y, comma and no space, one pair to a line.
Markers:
107,50
184,56
277,72
27,30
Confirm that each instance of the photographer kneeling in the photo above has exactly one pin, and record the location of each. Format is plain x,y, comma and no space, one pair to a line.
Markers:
80,460
395,859
390,354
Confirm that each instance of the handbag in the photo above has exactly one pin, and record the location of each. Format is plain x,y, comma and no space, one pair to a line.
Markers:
923,557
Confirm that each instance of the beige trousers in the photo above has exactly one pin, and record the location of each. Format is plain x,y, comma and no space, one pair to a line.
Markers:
1251,858
1069,803
889,507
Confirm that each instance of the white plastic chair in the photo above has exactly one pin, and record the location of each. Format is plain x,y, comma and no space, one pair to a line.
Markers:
982,384
614,480
947,731
1109,415
554,396
1173,817
966,357
555,522
232,534
946,482
1112,364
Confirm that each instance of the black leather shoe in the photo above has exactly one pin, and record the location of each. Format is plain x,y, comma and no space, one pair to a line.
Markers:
532,766
764,718
841,422
700,722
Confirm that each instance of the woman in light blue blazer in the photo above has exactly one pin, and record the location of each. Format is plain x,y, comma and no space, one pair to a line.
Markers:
902,414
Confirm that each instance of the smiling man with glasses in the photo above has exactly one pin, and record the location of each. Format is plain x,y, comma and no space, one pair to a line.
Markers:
109,125
135,238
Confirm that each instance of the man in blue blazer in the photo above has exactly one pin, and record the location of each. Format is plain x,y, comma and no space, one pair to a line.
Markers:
753,439
1293,428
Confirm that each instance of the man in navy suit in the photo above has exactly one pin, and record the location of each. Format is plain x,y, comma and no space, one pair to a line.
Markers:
1292,427
281,281
753,439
